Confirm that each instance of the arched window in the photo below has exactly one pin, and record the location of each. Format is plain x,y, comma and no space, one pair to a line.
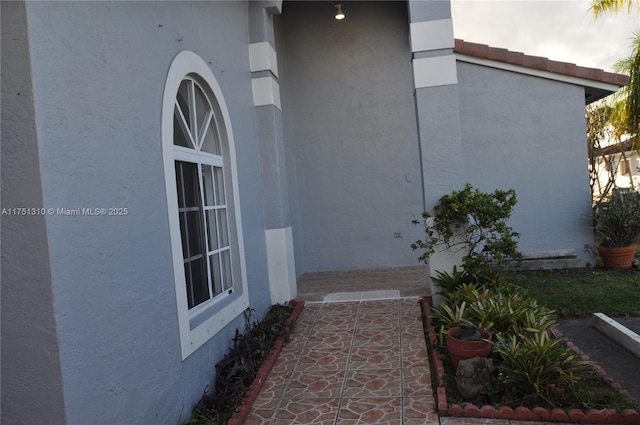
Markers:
204,218
202,201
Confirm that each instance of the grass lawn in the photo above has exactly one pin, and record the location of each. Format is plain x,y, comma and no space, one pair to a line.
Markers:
581,292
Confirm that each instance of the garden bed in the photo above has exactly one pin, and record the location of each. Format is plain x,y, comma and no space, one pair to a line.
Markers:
271,333
571,415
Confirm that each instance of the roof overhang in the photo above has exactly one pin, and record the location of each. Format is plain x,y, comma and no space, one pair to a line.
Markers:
596,82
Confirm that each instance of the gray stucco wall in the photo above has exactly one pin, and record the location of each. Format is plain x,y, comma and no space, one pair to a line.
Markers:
529,134
31,377
350,129
99,70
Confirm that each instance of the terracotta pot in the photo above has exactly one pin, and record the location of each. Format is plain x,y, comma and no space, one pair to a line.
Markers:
617,257
461,350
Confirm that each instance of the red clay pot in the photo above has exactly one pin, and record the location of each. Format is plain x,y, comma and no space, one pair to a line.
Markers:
461,350
617,257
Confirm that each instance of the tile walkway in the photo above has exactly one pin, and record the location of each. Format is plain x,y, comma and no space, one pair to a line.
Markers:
357,355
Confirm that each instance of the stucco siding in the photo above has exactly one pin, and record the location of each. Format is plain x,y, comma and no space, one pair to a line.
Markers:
352,133
528,133
29,338
99,70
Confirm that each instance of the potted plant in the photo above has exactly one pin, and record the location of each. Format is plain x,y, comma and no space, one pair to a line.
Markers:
617,223
466,342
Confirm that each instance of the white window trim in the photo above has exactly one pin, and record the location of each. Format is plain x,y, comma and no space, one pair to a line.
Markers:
187,62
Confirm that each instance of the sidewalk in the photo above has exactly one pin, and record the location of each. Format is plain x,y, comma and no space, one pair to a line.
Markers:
360,359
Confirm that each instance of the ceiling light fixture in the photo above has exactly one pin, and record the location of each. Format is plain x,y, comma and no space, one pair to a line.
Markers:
339,14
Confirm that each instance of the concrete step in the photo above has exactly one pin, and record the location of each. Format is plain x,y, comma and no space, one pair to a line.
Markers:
549,260
617,332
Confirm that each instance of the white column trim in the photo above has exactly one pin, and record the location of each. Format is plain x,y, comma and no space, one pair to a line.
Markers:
266,91
432,35
435,71
263,57
281,265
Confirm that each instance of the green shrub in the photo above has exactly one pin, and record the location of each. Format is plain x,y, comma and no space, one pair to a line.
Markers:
533,366
449,283
475,222
536,367
493,305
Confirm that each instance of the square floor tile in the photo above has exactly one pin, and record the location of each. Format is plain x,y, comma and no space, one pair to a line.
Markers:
322,358
377,411
382,357
315,384
416,381
414,353
420,411
262,411
310,411
373,383
330,323
373,337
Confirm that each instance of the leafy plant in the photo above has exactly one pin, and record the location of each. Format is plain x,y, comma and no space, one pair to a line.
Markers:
492,304
617,220
475,222
533,367
449,317
451,282
237,370
536,367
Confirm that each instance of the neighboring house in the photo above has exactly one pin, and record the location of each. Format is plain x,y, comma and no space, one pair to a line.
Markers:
167,165
618,165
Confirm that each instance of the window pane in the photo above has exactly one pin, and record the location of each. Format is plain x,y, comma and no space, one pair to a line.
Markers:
207,177
222,228
219,180
211,142
202,109
179,136
187,278
183,232
226,269
194,233
212,230
191,184
215,269
199,284
183,101
179,184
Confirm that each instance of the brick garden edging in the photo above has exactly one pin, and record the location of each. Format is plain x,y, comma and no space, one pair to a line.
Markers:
244,408
592,416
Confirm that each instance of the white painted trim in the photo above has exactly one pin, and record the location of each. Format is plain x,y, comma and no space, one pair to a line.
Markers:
263,57
266,91
432,35
187,62
617,332
584,82
435,71
282,265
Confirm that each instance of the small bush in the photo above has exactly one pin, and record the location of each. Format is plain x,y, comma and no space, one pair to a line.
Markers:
475,222
536,368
